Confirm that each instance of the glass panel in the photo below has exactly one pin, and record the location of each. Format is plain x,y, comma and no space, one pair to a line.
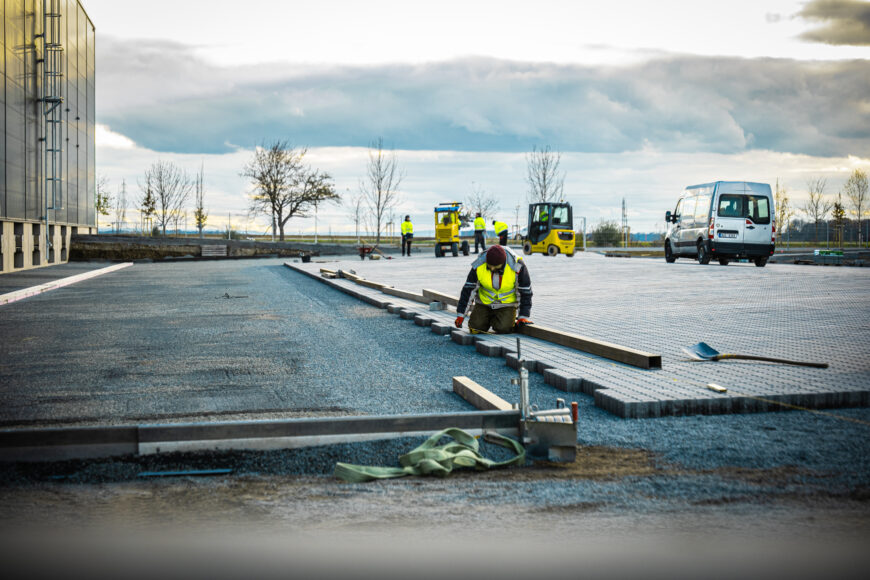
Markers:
702,210
758,209
561,216
688,217
731,206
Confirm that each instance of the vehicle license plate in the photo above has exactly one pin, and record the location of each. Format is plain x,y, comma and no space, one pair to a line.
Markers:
721,235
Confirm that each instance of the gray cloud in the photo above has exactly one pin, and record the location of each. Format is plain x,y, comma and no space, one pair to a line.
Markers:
846,22
165,98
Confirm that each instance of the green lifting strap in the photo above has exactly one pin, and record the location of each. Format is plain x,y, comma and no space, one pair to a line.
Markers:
433,459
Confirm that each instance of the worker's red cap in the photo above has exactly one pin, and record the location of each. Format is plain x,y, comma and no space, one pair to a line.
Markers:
495,256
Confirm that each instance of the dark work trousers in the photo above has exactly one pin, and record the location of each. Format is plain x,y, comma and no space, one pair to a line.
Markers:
501,320
479,241
502,238
406,243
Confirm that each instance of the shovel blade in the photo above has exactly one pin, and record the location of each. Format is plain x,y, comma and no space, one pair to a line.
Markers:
701,351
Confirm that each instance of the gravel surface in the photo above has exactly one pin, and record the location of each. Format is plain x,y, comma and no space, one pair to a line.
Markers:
285,345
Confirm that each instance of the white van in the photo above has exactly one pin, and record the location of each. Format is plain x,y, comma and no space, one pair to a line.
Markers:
725,220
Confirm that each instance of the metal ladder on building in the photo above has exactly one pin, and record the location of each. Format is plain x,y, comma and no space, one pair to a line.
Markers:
52,98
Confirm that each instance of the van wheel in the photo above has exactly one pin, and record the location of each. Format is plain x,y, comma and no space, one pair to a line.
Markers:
552,250
703,256
724,261
527,248
760,262
670,258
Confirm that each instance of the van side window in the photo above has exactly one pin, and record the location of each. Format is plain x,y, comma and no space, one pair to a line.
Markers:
731,206
678,211
702,210
687,218
758,209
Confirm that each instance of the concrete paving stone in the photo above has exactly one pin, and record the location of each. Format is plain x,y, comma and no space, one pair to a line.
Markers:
784,311
423,320
407,314
488,348
461,337
441,328
563,380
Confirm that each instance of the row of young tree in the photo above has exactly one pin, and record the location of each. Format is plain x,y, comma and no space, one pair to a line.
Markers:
165,190
284,186
825,214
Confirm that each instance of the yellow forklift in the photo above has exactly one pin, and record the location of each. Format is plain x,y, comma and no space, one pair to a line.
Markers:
447,224
551,229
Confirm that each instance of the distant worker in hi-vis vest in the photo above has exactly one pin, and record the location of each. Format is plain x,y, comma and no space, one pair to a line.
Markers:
501,230
407,235
501,280
479,234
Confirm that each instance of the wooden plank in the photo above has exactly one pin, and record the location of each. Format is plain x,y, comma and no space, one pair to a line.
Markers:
327,271
370,284
434,296
600,348
478,396
405,294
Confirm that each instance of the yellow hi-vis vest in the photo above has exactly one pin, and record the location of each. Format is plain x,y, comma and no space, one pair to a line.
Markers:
479,224
407,228
500,227
507,294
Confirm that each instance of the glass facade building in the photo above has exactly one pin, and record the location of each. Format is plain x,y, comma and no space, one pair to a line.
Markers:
47,116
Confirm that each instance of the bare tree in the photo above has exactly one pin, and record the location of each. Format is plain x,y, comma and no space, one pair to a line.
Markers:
120,206
357,212
170,185
855,189
481,202
817,207
545,180
284,186
103,199
199,213
784,210
380,188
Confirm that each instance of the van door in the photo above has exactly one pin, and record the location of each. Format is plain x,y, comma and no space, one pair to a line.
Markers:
730,220
758,223
687,226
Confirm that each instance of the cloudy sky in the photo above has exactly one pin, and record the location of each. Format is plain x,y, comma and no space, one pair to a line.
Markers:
641,98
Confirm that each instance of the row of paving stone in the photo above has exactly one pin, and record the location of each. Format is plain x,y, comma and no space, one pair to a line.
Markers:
626,391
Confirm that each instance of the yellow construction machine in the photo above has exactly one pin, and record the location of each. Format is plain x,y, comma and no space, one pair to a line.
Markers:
551,229
447,224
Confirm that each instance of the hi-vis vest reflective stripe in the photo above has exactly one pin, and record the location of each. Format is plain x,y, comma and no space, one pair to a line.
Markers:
407,228
479,223
505,295
500,227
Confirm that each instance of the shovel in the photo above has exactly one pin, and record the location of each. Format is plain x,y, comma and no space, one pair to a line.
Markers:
703,351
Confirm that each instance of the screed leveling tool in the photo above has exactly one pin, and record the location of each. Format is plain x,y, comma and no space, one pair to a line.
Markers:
550,433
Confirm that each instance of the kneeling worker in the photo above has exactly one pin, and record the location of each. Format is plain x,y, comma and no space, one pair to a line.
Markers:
501,280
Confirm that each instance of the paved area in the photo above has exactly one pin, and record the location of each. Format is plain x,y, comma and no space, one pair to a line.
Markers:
781,311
